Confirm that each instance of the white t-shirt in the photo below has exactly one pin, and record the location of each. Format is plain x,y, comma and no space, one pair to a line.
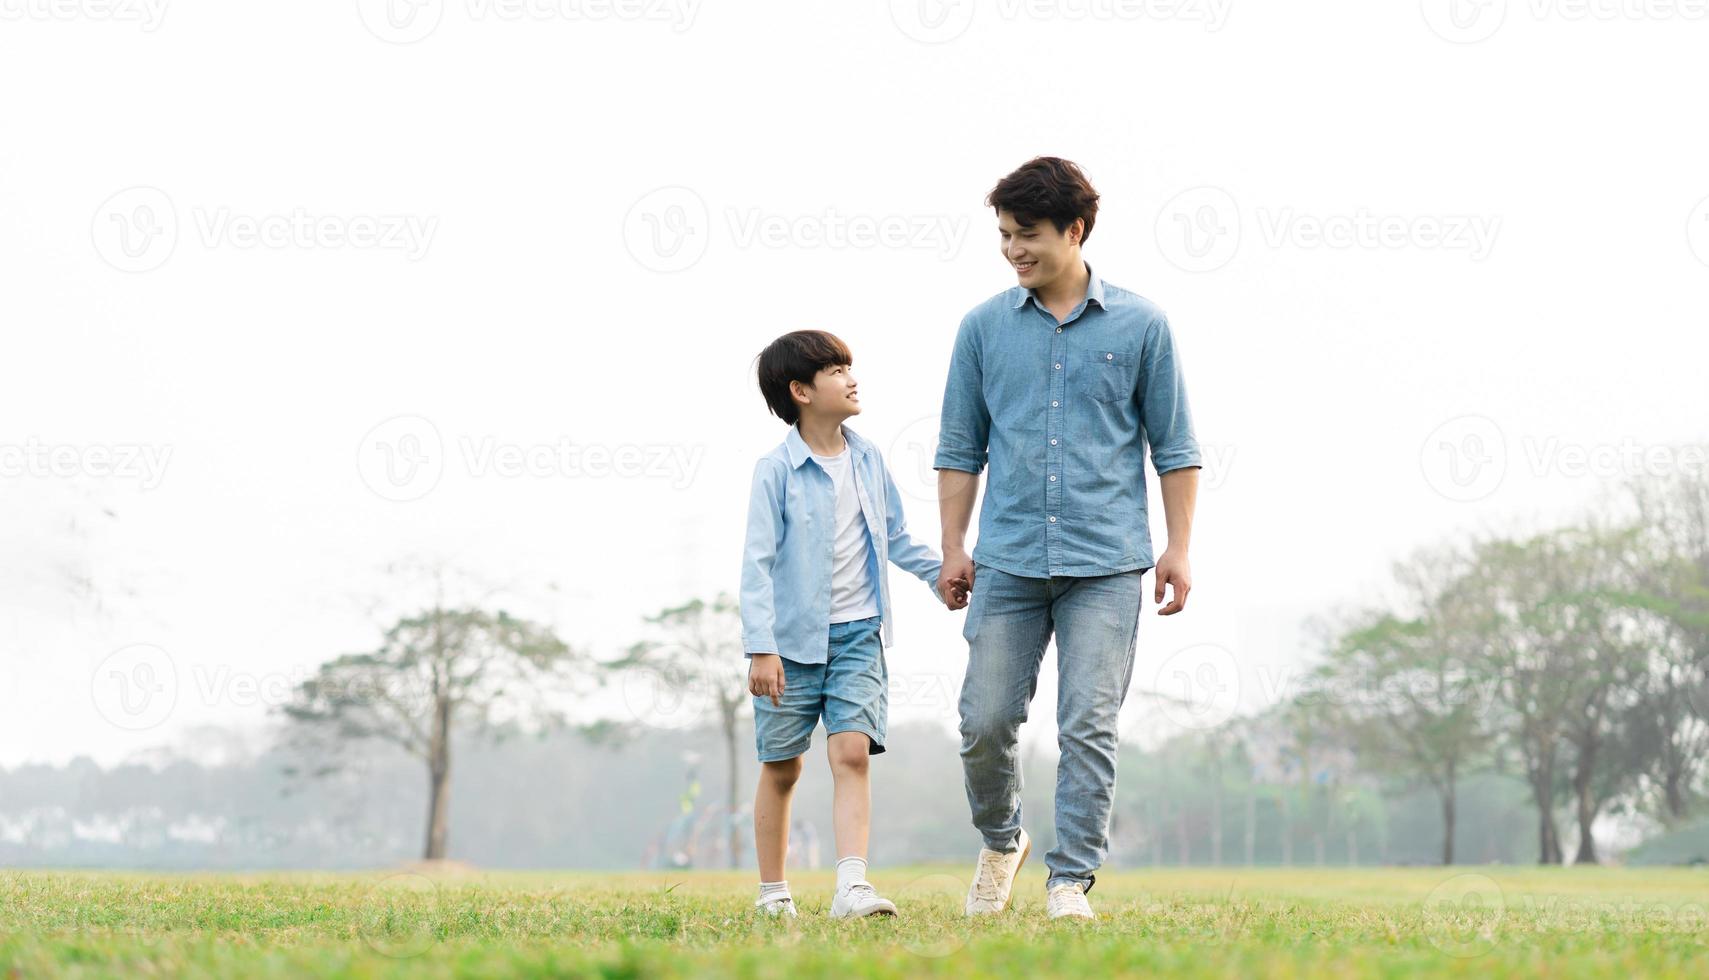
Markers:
853,595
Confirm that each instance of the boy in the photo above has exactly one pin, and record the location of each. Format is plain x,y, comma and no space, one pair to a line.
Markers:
824,517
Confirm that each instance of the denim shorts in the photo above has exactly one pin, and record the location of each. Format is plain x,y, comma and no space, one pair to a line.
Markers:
851,692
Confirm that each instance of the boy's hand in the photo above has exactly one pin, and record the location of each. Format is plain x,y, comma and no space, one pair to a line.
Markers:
765,677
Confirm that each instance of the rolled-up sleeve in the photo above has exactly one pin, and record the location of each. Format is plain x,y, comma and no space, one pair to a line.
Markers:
964,431
1163,411
765,529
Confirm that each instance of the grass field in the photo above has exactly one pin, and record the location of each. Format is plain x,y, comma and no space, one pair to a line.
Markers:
1477,921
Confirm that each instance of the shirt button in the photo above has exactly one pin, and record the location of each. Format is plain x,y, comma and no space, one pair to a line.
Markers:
1053,477
1058,329
1109,357
1053,518
1053,404
1059,367
1053,442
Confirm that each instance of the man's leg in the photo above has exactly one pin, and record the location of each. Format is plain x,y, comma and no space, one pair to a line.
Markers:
1097,621
1008,624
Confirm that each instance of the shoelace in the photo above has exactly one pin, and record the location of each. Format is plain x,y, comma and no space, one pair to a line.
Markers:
864,888
985,883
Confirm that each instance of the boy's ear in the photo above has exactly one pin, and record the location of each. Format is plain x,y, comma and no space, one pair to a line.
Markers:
798,391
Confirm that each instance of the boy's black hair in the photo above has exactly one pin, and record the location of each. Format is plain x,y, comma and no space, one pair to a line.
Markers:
1047,187
797,356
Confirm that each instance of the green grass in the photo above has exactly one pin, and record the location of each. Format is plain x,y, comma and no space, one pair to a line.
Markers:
1474,921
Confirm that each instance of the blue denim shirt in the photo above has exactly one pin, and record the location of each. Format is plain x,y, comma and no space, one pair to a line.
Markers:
786,566
1062,412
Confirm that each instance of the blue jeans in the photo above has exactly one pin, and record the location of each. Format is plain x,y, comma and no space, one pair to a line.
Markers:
1010,618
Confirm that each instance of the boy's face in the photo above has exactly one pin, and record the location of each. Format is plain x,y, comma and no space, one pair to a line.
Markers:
832,394
1038,252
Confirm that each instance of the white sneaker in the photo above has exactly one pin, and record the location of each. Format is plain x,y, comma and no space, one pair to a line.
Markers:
783,907
994,877
1068,901
858,900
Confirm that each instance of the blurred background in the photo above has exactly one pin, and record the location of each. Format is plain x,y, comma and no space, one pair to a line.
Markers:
379,413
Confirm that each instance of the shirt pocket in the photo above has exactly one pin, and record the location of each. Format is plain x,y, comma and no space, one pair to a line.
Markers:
1108,375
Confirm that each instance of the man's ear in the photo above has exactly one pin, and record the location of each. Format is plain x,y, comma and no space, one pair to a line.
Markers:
1076,231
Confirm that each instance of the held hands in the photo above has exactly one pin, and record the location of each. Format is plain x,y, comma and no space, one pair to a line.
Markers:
955,579
765,677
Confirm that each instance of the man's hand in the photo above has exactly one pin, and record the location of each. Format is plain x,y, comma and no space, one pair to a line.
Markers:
1172,570
955,579
765,677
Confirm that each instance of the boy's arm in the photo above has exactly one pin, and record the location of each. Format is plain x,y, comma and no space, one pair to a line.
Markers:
906,551
765,529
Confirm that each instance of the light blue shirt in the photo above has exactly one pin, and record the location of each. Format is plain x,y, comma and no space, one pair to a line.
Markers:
1062,412
786,565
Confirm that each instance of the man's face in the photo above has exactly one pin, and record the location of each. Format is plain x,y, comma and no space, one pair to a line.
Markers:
1038,252
833,393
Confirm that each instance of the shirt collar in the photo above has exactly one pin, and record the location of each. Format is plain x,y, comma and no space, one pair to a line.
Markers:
1094,290
798,451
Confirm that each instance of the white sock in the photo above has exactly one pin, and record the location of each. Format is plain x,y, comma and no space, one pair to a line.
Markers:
770,890
850,871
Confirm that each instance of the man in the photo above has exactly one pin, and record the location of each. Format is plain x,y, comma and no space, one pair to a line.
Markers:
1058,383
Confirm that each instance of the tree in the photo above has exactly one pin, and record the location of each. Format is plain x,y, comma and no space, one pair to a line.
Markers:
433,673
1405,686
697,653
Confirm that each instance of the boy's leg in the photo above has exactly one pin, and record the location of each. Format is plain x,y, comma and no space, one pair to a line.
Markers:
1008,624
1097,621
771,815
851,792
857,701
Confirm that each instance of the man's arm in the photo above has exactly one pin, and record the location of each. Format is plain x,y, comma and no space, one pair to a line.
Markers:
1175,454
964,436
1180,491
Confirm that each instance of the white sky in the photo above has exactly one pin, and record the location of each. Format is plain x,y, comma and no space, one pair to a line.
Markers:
1542,265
